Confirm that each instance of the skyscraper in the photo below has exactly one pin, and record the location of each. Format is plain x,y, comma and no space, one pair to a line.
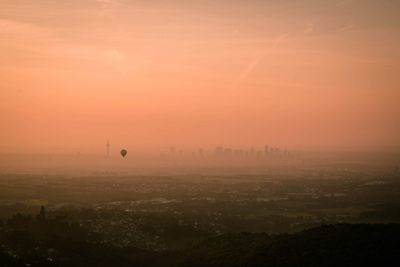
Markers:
266,151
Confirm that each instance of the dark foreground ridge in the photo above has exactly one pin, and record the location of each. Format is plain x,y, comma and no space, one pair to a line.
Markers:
27,241
333,245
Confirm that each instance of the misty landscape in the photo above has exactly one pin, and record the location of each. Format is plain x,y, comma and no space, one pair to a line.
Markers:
199,133
195,214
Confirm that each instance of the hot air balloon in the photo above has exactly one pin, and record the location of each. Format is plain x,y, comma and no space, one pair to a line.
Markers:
124,152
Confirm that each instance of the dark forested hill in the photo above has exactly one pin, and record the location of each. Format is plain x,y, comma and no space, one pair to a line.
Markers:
25,241
333,245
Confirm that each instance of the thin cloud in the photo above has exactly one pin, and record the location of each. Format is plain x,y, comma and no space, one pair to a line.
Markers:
348,26
106,1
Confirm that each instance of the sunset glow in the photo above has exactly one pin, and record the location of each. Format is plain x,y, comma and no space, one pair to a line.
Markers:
151,74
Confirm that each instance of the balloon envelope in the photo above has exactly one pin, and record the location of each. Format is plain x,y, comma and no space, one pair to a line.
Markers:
124,152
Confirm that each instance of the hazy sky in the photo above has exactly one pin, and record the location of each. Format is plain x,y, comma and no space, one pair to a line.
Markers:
198,73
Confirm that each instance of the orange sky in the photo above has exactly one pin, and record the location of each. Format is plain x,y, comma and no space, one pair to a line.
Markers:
150,74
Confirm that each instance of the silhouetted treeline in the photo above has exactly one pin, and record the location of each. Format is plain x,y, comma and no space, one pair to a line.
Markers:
40,241
29,241
333,245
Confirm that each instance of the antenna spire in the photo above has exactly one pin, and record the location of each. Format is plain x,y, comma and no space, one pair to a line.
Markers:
108,148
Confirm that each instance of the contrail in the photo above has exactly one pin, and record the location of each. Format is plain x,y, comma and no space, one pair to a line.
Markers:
254,63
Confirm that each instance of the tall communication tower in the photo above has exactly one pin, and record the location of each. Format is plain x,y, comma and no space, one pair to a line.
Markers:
108,148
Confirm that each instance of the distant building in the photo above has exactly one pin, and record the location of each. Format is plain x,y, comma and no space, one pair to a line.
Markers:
252,152
219,151
108,149
228,152
172,152
259,154
201,152
238,153
266,151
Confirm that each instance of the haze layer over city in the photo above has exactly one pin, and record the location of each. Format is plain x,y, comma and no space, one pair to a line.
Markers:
199,133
